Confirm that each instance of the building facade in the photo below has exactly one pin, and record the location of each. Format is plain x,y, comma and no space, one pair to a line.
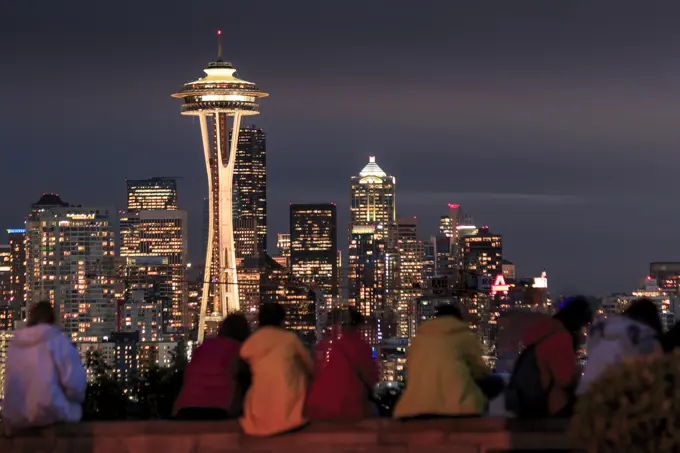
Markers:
410,253
666,274
162,234
152,194
483,253
250,185
17,245
372,197
70,257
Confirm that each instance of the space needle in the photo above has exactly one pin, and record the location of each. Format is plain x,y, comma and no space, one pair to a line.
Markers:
220,100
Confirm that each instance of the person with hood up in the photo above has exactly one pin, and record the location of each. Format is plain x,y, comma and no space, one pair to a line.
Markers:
281,369
556,341
637,331
45,381
443,364
345,372
216,379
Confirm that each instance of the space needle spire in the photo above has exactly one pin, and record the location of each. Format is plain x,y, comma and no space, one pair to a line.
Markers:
220,100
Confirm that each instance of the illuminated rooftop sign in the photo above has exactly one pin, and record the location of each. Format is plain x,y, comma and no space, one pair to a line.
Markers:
499,285
542,281
16,231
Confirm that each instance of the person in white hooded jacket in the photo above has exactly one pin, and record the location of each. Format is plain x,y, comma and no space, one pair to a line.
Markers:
635,332
44,377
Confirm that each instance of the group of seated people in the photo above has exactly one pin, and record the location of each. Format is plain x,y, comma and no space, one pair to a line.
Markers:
270,382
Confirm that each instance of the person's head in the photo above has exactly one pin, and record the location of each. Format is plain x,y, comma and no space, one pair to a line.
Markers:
575,313
234,326
645,312
448,310
41,313
271,314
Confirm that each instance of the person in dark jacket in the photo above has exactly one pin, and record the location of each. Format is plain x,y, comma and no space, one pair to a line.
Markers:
557,339
216,379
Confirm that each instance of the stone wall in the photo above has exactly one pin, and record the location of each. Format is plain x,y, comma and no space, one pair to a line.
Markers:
483,435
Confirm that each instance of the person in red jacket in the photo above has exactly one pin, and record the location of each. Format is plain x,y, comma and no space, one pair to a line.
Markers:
557,339
216,379
345,373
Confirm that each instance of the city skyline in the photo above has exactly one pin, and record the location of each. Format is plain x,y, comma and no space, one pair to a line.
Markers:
549,120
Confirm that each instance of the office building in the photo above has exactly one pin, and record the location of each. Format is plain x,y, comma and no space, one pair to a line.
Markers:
70,257
17,245
313,246
409,284
246,237
163,234
372,197
313,255
667,274
249,275
5,337
215,99
367,268
483,253
125,353
278,285
152,194
283,244
250,184
666,301
6,312
147,299
429,260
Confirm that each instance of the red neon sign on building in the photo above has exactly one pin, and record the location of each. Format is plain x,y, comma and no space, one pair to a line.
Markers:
499,285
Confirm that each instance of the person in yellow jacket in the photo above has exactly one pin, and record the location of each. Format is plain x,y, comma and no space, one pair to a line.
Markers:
281,369
444,370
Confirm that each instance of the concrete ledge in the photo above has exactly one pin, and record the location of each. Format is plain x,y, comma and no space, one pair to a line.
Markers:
377,435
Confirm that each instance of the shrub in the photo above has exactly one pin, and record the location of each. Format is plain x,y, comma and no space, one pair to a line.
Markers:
633,407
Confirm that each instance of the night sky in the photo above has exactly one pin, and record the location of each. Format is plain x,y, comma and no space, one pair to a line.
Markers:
556,123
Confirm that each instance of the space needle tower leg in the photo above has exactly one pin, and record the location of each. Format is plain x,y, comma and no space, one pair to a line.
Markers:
229,293
205,296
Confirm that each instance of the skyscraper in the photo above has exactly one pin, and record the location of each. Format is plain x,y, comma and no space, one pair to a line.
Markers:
314,244
250,184
373,197
483,253
313,254
367,268
246,238
150,194
372,257
148,297
161,233
17,245
6,312
410,252
215,98
70,256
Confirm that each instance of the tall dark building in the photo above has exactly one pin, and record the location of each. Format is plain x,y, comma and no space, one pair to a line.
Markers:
314,245
151,194
17,245
250,182
483,253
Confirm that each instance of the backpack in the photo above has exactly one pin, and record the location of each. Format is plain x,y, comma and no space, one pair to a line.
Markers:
525,396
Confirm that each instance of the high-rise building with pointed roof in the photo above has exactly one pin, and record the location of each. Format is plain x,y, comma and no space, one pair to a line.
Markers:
373,197
371,257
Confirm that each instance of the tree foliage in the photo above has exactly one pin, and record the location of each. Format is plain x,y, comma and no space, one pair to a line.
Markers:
150,396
